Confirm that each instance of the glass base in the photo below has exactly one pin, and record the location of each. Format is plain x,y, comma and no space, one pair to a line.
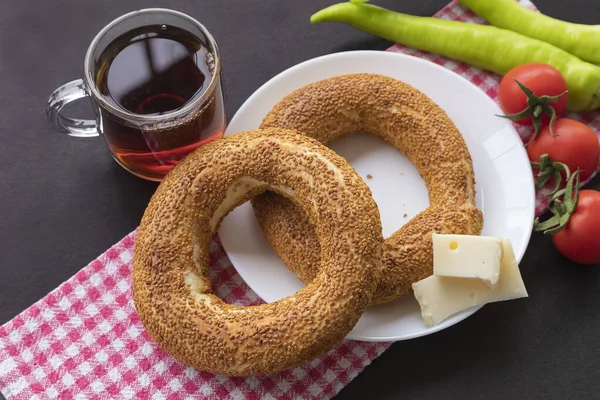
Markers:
147,178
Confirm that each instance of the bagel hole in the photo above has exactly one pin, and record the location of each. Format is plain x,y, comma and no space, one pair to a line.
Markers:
226,283
258,261
453,245
396,185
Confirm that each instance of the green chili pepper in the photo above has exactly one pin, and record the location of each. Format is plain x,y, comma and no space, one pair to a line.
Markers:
486,47
580,40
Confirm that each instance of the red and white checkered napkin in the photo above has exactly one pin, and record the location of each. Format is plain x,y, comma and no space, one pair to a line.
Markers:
488,81
84,340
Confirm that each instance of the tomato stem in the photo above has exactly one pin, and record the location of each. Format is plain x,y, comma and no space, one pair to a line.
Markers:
536,108
562,203
550,169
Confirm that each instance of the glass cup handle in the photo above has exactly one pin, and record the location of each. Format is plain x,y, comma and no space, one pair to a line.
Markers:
62,96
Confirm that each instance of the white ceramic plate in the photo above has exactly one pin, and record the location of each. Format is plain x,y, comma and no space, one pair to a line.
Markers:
505,188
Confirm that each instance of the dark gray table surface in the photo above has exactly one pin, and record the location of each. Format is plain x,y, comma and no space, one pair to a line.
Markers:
64,200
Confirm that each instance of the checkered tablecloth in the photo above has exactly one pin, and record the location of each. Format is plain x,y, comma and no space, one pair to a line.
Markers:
84,340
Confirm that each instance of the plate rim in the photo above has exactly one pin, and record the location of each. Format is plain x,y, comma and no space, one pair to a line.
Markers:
526,237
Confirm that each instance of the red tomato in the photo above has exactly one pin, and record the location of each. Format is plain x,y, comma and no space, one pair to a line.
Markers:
576,146
580,239
542,79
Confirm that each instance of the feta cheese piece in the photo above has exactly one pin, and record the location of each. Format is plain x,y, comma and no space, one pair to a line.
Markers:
467,256
441,297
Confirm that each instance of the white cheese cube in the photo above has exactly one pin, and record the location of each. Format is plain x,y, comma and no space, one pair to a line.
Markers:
467,256
441,297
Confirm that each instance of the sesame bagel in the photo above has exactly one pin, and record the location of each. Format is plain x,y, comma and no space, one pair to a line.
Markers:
409,120
171,286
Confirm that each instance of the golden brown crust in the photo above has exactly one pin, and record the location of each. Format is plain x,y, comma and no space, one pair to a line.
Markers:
415,125
172,290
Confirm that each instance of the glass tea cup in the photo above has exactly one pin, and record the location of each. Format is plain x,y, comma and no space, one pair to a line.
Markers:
154,80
